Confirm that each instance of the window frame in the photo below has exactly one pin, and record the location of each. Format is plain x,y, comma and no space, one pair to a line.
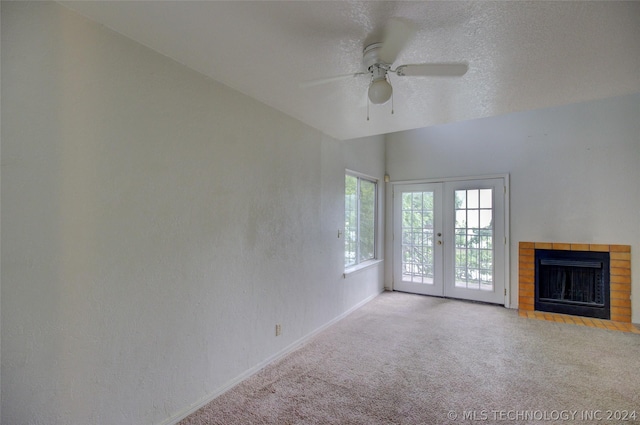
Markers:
360,264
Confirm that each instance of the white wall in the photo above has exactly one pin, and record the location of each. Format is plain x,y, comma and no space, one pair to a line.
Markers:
156,226
574,172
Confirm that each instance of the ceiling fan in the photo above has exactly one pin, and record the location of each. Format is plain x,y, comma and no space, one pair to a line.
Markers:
378,59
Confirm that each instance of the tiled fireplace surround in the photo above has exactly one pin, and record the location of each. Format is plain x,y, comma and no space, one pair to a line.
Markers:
620,275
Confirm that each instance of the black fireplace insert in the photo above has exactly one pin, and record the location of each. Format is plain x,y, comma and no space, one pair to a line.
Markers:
572,282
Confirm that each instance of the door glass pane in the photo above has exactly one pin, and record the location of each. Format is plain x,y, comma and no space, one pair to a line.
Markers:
486,198
473,200
417,237
473,263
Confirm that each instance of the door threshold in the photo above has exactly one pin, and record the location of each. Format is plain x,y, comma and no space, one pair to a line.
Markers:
450,298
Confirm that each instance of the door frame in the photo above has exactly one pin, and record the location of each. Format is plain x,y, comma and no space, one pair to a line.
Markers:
507,235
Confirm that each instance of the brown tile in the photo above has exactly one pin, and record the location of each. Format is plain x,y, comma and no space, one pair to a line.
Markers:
620,310
526,252
610,326
617,302
527,272
620,280
620,271
600,324
528,289
579,321
620,290
620,248
621,326
620,295
526,245
622,264
598,247
620,255
526,293
580,247
544,245
526,302
621,318
526,263
626,313
562,246
525,307
526,280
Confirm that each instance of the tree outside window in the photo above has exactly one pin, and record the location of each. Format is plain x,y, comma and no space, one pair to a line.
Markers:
360,220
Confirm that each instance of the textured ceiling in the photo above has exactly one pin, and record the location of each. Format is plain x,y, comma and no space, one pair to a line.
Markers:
521,54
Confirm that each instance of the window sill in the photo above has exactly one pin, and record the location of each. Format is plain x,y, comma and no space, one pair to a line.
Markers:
360,267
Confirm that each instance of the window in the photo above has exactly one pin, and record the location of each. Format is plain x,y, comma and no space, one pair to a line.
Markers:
360,200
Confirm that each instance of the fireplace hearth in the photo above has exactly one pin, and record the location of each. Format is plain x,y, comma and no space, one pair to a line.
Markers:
572,282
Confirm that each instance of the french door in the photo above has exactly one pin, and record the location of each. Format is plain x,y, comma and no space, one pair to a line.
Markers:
449,239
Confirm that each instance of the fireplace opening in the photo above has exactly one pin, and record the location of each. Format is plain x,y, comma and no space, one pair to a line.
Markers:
572,282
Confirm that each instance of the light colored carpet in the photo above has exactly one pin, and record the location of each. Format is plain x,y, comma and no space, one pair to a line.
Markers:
410,359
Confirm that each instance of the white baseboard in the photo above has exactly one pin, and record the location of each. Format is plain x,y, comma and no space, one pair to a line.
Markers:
248,373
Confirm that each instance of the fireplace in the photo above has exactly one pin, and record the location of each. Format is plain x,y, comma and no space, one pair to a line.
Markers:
572,282
619,270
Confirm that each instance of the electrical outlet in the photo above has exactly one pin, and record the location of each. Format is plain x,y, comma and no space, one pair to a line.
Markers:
278,329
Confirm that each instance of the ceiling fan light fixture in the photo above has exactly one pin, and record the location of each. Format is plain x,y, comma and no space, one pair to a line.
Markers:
379,58
380,91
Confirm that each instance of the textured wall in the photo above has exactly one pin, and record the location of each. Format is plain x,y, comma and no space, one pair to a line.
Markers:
156,226
574,171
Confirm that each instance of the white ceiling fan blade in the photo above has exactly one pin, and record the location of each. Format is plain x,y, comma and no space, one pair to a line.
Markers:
432,70
396,35
313,83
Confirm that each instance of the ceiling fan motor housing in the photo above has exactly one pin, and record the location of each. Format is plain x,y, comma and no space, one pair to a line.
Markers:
371,59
